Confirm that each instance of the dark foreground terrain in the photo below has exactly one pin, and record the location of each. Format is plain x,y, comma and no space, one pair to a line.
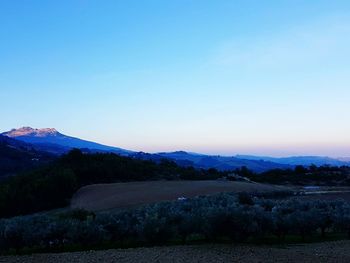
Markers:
335,251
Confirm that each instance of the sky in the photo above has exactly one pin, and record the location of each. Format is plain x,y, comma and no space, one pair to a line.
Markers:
219,77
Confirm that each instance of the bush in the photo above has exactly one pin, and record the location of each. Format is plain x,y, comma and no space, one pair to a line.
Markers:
78,214
221,217
119,227
86,234
13,234
245,199
155,230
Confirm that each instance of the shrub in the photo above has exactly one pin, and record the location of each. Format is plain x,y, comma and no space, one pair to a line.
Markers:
78,214
156,230
245,199
86,233
118,227
225,216
13,234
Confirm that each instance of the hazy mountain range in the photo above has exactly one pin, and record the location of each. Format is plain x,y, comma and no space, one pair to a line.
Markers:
298,160
51,141
211,161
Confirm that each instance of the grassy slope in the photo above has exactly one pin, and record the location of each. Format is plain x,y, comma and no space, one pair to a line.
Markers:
108,196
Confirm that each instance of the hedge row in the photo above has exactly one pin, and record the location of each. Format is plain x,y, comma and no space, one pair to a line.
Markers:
234,217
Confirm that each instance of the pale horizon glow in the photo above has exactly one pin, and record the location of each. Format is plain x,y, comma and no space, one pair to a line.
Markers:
218,77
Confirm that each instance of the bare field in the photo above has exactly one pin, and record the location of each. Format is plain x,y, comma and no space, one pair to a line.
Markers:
327,196
120,195
335,251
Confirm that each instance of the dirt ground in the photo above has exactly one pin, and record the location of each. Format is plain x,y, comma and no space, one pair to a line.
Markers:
335,251
109,196
327,197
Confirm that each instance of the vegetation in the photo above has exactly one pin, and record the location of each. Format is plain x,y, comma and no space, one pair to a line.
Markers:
300,175
17,156
52,186
225,217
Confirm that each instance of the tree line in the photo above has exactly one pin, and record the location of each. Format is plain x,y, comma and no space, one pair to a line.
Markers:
225,217
302,175
52,185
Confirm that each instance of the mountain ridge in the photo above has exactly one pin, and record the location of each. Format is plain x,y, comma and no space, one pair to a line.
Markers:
298,160
50,140
28,131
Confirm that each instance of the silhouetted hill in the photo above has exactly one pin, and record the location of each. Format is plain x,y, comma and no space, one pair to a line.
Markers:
17,156
299,160
52,185
221,163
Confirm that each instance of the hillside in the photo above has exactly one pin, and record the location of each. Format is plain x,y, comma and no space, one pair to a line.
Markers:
51,140
221,163
109,196
53,185
299,160
17,156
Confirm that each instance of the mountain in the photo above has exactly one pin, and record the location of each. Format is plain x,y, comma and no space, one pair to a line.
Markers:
17,156
221,163
51,140
255,163
299,160
344,159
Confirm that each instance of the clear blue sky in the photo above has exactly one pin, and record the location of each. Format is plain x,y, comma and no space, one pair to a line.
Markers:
223,77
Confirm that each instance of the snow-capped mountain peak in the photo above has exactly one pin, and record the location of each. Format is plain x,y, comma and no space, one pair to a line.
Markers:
51,138
28,131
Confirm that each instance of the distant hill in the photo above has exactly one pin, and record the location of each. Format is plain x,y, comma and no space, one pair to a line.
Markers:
17,156
52,141
344,159
49,139
254,163
220,163
299,160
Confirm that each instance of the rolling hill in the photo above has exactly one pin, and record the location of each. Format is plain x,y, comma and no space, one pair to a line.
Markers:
17,156
221,163
299,160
